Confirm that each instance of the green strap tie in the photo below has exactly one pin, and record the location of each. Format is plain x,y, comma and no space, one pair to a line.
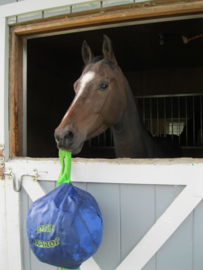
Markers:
64,176
65,160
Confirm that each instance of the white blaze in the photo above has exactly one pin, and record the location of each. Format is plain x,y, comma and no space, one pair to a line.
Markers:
89,76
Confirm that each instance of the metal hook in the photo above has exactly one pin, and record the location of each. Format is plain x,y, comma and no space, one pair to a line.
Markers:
12,177
17,187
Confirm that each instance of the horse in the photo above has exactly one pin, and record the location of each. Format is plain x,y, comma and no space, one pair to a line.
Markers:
103,99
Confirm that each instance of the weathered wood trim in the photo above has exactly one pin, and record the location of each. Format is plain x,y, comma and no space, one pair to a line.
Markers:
13,99
16,89
155,9
19,72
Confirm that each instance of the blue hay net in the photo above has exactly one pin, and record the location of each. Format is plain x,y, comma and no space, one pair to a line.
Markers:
65,226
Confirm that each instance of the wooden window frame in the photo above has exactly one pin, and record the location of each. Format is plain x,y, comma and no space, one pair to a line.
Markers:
120,14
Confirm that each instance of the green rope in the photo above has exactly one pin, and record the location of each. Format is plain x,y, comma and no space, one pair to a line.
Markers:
64,176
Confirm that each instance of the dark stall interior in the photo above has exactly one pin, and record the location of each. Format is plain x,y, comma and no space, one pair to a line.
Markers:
155,60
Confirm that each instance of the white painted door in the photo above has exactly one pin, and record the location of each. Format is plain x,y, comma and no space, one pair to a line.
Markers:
183,173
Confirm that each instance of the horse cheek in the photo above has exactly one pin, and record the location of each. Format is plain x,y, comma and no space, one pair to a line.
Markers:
98,105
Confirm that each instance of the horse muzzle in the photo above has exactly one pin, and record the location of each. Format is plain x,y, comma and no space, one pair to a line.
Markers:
68,140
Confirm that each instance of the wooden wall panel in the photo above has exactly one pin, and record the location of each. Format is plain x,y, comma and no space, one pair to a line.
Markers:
128,212
108,198
137,205
198,236
166,81
177,252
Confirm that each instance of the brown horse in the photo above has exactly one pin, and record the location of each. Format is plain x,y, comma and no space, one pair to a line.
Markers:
104,99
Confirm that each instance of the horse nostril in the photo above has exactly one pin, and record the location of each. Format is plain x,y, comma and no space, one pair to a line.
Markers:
57,138
69,136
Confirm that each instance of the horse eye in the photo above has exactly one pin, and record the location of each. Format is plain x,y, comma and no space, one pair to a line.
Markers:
103,86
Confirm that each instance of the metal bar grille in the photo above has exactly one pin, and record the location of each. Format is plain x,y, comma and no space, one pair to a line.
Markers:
172,115
177,117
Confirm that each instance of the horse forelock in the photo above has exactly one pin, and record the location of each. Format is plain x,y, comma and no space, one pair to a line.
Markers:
94,60
99,58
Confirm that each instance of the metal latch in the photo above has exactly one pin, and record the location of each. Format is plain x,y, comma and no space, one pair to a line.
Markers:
18,184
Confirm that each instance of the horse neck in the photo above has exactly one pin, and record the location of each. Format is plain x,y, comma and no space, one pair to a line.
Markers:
130,136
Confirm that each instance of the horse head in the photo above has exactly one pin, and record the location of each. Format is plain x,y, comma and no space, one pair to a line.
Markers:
99,100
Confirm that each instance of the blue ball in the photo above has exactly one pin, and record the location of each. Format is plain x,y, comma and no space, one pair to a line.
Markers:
65,227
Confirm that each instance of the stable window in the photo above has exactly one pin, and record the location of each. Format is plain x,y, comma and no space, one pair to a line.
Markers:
165,75
166,80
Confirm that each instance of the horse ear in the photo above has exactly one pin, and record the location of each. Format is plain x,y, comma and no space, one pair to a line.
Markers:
87,54
108,50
